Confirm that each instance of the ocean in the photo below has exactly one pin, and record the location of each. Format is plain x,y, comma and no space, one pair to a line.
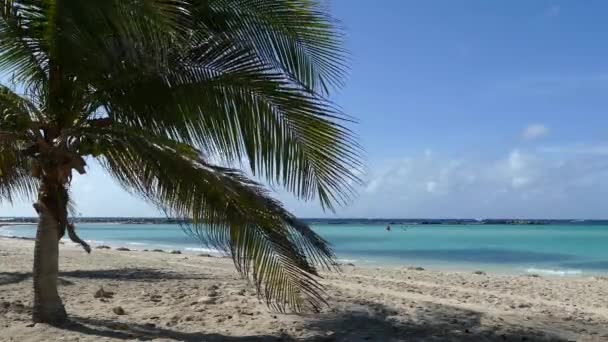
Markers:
557,250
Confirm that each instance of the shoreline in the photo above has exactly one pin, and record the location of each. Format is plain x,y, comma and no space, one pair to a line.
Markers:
167,296
465,268
347,221
8,224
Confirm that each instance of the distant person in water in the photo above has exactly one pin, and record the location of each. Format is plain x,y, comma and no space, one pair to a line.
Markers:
388,228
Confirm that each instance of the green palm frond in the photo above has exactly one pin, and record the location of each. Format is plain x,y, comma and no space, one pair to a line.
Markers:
16,182
231,103
228,211
22,45
296,37
97,32
17,112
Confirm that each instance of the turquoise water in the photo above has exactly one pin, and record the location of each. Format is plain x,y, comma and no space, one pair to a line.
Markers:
550,249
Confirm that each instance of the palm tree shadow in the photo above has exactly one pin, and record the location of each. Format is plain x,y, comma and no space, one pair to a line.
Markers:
431,322
131,274
370,322
363,320
7,278
113,329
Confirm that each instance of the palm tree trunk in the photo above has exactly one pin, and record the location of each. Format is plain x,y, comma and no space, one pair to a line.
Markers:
48,307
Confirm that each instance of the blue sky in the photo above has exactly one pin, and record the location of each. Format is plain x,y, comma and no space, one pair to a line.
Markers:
465,109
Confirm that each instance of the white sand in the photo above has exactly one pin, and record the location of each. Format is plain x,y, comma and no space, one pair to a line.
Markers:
173,297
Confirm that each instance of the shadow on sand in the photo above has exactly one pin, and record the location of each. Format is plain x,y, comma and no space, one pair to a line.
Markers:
7,278
363,321
131,274
373,322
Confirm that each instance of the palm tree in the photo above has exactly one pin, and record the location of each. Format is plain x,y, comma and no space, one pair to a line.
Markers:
163,92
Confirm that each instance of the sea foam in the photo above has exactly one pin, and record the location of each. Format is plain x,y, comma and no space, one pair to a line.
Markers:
551,272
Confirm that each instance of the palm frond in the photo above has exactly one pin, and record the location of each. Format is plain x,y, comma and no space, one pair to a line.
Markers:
98,36
23,52
16,182
229,211
230,103
294,36
17,112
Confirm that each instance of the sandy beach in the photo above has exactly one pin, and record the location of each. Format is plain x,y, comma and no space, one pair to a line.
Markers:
186,297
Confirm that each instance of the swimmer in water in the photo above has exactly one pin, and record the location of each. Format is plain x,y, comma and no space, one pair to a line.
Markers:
388,228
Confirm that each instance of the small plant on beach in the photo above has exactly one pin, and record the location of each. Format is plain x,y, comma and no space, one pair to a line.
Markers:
161,93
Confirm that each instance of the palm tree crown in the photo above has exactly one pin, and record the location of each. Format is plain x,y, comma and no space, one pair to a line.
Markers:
158,91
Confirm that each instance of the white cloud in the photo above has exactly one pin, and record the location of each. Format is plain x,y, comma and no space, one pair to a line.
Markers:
534,131
371,186
521,183
556,182
516,160
518,182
